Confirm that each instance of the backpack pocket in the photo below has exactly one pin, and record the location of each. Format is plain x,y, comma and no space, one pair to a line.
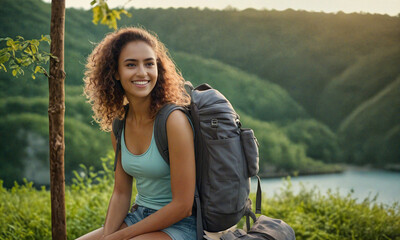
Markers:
225,193
225,157
250,149
225,169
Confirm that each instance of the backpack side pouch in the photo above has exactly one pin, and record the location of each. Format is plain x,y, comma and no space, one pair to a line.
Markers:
250,149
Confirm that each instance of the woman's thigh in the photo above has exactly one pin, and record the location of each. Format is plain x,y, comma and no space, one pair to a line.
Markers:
152,235
96,234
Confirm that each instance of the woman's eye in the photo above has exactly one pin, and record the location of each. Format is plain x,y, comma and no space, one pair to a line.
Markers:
130,65
150,64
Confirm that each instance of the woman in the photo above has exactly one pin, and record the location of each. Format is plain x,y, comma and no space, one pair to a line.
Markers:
130,66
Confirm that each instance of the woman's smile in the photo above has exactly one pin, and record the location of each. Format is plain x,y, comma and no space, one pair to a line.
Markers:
141,83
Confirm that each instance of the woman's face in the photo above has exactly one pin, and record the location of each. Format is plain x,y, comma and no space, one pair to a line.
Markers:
137,69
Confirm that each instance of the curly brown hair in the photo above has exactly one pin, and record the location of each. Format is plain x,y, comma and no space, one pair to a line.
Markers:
106,94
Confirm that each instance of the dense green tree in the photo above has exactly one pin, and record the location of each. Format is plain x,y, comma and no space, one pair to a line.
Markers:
320,142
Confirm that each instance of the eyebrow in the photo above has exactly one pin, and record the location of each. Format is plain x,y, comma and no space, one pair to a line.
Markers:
135,60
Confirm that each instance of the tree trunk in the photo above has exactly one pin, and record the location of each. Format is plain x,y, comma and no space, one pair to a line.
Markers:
56,121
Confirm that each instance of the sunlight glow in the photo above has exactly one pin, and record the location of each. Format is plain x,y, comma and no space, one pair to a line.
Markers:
390,7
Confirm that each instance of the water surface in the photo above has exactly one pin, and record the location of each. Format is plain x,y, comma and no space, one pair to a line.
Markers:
362,183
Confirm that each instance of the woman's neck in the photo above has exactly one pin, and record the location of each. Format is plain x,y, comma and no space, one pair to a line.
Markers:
139,111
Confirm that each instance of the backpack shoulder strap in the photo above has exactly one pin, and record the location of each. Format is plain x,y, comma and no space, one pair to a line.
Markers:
160,126
161,138
117,126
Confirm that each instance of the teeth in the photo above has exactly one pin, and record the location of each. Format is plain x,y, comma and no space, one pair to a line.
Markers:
140,82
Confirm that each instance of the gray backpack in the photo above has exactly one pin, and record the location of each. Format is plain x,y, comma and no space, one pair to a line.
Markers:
226,158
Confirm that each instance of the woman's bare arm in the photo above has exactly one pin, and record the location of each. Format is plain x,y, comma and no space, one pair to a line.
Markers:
120,199
182,167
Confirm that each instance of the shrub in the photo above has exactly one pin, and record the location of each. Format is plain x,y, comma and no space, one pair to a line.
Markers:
25,211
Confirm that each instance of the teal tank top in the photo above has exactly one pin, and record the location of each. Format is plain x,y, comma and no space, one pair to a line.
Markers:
152,174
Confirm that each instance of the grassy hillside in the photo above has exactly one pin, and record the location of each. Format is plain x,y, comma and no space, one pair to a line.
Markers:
258,98
84,139
359,83
377,117
329,63
277,68
24,108
301,51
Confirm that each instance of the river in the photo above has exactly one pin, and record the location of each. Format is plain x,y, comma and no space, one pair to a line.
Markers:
363,183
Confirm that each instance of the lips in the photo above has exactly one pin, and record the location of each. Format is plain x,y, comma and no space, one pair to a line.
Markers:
140,83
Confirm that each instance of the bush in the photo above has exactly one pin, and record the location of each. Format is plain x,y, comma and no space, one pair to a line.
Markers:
25,211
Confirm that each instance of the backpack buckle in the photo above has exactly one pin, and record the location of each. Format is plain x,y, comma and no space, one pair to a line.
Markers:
238,123
214,123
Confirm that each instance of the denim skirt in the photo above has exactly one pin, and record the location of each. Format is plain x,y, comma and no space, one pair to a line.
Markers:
182,230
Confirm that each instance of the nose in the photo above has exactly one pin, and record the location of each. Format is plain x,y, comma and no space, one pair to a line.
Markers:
141,70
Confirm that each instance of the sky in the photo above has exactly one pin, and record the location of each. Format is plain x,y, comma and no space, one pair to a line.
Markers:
390,7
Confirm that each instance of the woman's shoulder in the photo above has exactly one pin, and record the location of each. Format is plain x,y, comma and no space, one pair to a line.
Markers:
177,121
176,118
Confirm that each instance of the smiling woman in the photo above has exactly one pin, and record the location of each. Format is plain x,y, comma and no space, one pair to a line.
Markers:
130,74
114,54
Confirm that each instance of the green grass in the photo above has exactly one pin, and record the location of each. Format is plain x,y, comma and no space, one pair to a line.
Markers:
25,211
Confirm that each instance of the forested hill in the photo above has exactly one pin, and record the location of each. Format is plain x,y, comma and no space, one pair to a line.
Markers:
342,68
288,66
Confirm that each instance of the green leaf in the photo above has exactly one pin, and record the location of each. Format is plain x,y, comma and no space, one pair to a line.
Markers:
97,14
10,42
25,45
14,72
37,69
123,11
117,14
4,50
93,2
26,61
33,76
20,71
4,58
35,42
34,49
45,38
4,67
28,51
